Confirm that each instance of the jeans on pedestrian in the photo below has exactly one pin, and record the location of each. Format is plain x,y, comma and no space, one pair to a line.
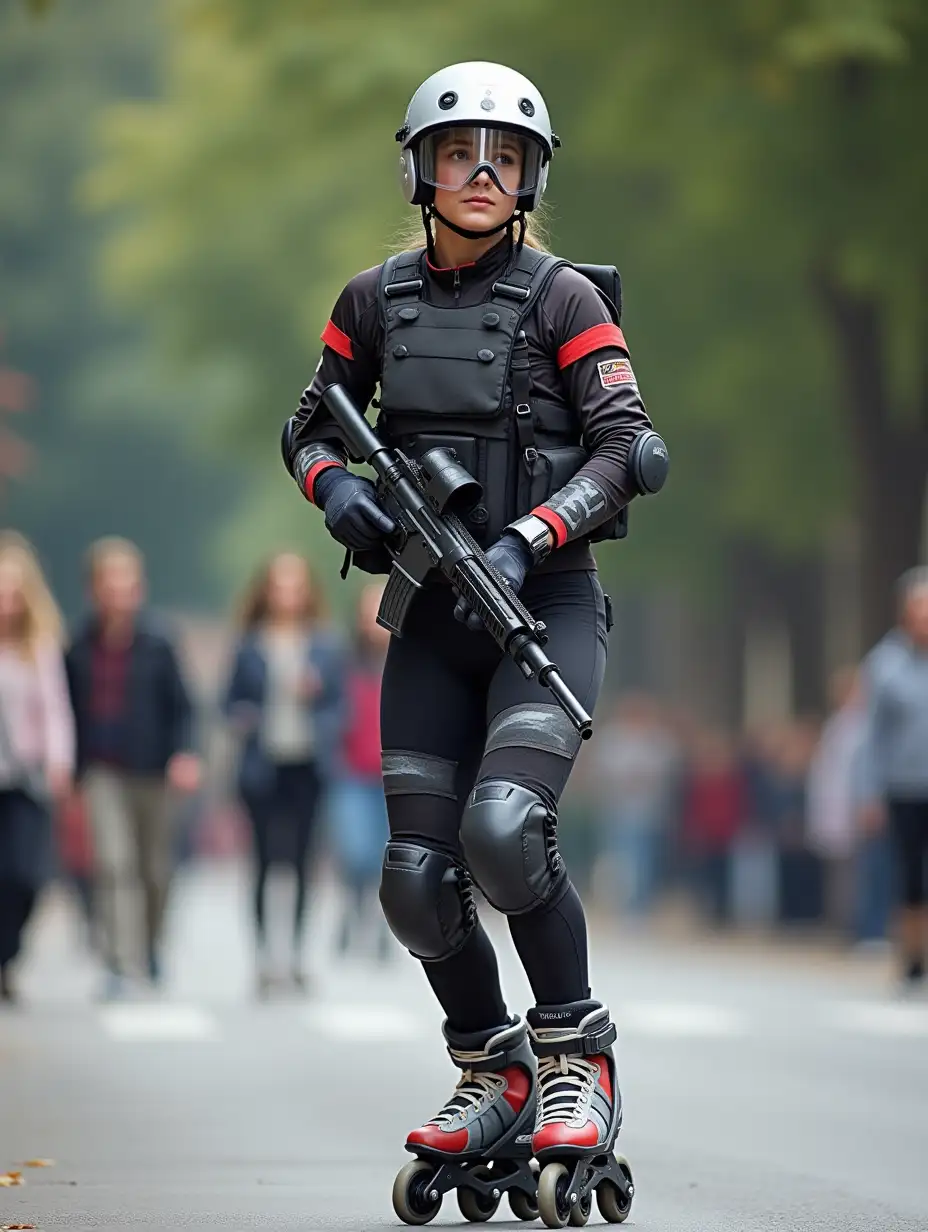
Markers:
875,887
636,843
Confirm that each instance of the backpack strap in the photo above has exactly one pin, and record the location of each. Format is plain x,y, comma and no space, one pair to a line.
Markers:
524,283
400,280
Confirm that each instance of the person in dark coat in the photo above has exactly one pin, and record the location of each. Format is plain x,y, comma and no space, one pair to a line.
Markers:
134,723
285,698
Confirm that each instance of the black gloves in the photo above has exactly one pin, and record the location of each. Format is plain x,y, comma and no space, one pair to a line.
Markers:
353,514
510,556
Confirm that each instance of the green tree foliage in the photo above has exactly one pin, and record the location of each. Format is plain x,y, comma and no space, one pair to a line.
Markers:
750,165
105,455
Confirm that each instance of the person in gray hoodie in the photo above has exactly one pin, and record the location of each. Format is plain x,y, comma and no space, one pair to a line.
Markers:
896,757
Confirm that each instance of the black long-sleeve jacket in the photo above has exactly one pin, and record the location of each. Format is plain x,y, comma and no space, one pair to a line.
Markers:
578,358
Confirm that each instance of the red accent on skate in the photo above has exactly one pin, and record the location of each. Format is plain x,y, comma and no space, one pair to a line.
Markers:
559,1133
435,1136
604,1080
516,1092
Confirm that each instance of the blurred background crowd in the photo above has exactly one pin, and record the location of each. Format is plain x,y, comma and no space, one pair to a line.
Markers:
186,188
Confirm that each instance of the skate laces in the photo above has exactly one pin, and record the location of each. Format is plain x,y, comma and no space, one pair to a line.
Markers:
473,1092
565,1089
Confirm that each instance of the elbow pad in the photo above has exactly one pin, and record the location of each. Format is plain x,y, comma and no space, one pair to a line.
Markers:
648,463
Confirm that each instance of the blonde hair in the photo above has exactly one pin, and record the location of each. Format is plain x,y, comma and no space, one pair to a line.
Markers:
253,606
41,620
109,548
410,234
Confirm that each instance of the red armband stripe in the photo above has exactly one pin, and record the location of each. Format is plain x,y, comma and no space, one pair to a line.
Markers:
339,341
313,474
557,524
592,339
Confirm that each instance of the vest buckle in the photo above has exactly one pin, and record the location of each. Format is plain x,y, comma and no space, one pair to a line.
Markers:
507,288
403,288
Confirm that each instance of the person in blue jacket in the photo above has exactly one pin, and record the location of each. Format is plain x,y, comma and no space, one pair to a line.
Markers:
285,699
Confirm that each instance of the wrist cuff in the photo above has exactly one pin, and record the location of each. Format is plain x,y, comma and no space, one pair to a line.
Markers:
309,484
532,531
554,522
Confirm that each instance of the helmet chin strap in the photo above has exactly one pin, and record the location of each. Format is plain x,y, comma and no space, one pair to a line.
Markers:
466,232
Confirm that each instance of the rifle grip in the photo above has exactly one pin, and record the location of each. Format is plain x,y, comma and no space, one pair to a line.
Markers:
394,606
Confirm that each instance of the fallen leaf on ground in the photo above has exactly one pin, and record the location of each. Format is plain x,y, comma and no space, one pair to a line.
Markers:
9,1179
39,1163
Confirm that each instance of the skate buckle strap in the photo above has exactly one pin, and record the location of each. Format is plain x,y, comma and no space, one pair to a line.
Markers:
589,1045
480,1062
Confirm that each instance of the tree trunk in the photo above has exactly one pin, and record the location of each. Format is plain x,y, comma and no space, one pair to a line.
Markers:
890,453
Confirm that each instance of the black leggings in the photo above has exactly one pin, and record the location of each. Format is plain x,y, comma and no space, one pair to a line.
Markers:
908,821
442,687
282,823
25,856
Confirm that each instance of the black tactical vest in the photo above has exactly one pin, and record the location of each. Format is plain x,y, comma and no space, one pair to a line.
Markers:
459,377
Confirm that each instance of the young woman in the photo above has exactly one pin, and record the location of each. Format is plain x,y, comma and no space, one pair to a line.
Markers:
482,342
36,742
285,699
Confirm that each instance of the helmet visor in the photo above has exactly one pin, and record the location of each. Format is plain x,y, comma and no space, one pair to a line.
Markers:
454,156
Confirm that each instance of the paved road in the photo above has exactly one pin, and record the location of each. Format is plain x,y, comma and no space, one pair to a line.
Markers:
760,1093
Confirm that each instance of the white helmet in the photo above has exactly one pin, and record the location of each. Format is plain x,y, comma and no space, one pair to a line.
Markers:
495,120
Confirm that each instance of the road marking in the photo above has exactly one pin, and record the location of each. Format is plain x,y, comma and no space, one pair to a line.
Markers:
361,1022
686,1020
872,1018
155,1023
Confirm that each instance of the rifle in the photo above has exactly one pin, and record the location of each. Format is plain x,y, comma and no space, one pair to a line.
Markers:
426,498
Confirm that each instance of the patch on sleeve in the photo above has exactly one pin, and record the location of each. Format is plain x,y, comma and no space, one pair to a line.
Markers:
615,372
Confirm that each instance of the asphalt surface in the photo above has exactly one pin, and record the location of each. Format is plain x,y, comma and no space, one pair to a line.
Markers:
762,1090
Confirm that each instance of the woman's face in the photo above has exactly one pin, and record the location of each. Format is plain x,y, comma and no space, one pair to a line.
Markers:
479,205
287,588
12,599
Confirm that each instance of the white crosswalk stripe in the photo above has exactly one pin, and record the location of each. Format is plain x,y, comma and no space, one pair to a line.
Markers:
883,1019
680,1021
362,1023
161,1022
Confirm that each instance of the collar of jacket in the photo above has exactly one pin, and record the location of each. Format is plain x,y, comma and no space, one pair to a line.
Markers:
490,265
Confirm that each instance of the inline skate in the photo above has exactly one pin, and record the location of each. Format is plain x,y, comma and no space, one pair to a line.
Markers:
480,1143
579,1115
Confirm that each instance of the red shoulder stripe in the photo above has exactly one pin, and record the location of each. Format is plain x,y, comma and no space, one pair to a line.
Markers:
333,337
592,339
555,521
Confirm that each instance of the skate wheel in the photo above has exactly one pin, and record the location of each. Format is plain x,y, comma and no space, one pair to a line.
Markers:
553,1203
613,1205
473,1205
522,1206
411,1193
580,1211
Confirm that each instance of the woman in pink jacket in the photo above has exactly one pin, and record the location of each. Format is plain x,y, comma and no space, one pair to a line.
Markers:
36,741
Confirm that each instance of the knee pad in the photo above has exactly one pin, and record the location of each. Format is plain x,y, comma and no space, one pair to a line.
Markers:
509,838
427,899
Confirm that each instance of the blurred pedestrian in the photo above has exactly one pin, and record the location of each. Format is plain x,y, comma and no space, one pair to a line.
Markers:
801,871
635,762
714,812
285,698
831,799
896,758
358,809
36,743
134,742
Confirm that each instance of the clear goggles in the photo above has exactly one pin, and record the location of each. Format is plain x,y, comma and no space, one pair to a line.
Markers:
453,157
